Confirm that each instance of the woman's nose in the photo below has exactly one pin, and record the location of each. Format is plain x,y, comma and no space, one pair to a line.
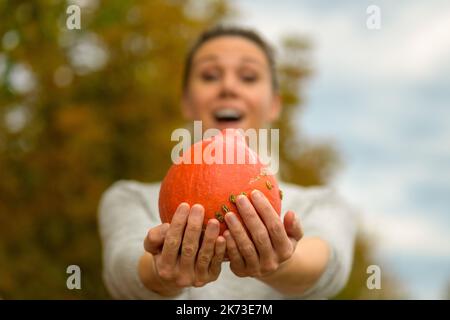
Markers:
228,85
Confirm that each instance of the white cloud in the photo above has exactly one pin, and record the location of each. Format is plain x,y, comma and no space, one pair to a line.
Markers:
422,35
408,234
388,213
412,44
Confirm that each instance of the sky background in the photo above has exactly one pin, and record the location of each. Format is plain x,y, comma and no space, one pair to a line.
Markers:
383,97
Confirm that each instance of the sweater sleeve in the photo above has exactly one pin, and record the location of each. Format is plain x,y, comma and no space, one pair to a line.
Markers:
124,220
330,218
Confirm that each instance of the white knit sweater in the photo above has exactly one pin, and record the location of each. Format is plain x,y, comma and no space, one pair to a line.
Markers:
128,209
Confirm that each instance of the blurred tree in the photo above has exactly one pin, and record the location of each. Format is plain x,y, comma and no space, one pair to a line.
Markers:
80,109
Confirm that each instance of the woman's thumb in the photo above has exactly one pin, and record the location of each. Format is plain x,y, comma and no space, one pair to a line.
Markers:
292,226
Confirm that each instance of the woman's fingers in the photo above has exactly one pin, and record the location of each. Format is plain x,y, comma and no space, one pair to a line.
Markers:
206,251
244,243
273,223
190,243
237,263
155,238
174,236
257,229
219,253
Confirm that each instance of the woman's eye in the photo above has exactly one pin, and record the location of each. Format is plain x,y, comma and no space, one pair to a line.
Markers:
209,76
249,78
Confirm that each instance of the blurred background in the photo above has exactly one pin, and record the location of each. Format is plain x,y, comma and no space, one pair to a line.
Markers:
366,111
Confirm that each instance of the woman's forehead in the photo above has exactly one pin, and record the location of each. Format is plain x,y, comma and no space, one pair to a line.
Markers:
230,49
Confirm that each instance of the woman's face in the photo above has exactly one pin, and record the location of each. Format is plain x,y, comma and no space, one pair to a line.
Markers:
230,86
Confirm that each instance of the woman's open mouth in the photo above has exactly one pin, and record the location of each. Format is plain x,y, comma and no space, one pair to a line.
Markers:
228,117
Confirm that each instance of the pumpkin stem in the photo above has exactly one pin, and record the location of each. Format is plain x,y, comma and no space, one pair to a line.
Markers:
219,216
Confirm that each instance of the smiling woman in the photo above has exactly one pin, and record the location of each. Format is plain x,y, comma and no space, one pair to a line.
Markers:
230,80
306,252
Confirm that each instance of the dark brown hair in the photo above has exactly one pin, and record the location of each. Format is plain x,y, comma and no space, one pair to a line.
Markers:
219,31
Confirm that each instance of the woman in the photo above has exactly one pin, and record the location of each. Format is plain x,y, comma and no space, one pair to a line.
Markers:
230,81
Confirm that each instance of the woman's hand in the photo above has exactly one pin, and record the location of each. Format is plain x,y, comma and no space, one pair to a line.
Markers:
180,260
270,242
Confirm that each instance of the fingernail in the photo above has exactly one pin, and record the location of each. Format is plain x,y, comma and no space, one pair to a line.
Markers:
231,218
213,225
183,209
242,200
256,194
197,211
183,204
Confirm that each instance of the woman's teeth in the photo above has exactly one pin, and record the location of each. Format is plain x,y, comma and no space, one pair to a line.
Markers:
227,114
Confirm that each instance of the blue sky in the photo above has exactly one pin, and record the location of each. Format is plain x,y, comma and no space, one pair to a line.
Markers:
383,96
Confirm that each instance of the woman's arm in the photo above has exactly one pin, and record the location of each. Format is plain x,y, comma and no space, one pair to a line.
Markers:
298,274
124,221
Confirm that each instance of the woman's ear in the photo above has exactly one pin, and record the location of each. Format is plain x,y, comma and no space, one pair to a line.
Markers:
275,107
186,107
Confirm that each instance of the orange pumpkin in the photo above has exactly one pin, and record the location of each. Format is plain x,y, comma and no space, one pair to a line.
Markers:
213,183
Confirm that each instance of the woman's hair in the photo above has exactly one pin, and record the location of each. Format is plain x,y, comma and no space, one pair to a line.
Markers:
219,31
